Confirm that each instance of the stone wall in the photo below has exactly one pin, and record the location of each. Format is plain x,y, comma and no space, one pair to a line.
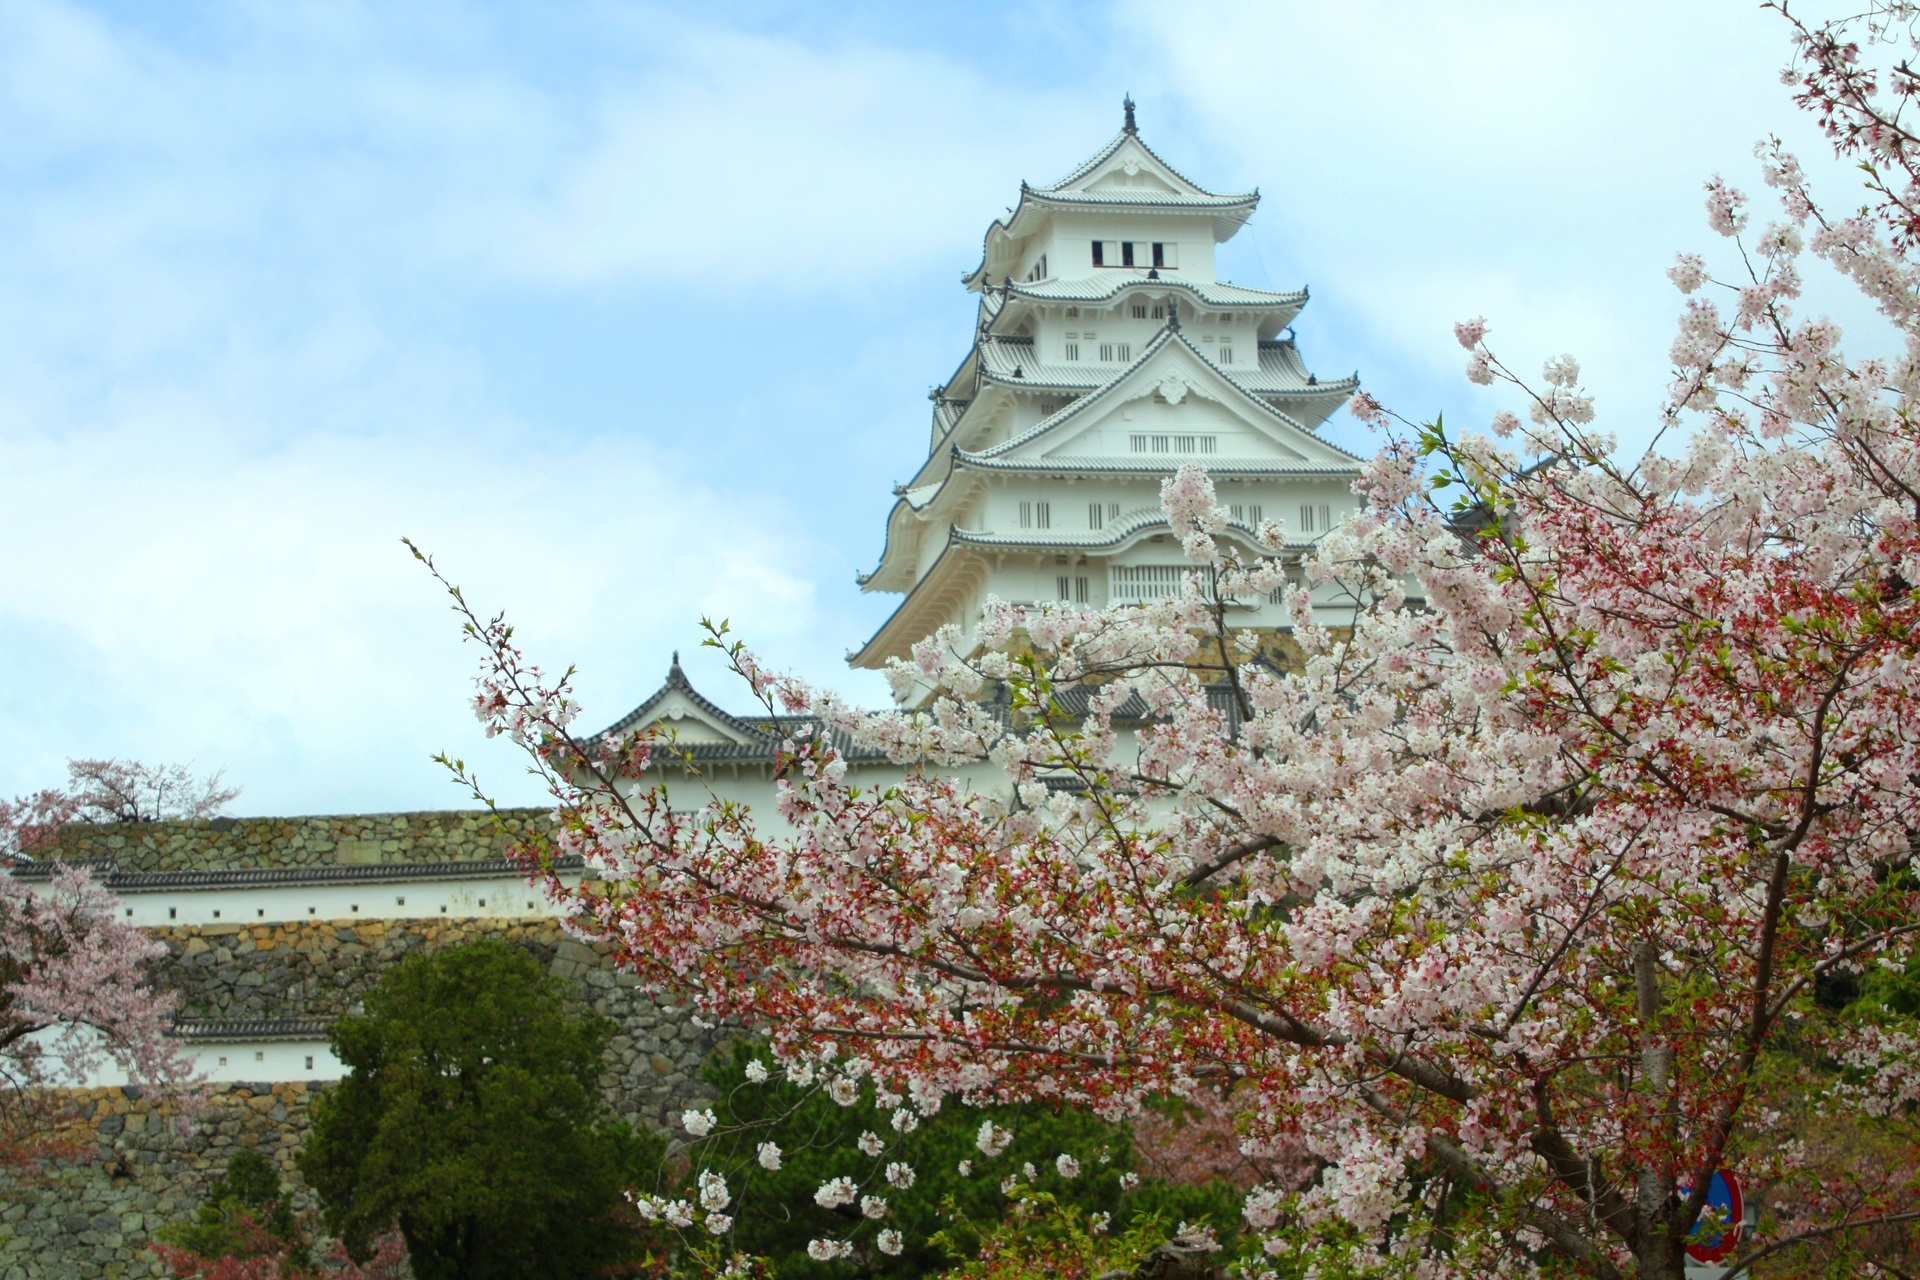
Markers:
321,970
461,835
93,1216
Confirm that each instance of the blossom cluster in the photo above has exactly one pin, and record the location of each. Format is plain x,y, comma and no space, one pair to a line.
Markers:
1500,879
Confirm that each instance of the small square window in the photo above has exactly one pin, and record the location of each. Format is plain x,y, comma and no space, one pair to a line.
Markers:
309,1062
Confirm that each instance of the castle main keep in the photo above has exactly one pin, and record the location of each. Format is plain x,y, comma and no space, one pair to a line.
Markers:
1106,353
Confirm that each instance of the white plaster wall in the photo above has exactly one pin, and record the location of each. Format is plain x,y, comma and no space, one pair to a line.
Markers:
1068,241
503,896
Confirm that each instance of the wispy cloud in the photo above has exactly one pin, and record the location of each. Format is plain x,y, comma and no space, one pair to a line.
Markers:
625,309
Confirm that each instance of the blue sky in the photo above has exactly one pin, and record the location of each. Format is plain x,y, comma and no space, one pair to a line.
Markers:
628,311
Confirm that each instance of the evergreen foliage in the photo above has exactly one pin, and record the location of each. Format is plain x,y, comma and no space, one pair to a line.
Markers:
472,1120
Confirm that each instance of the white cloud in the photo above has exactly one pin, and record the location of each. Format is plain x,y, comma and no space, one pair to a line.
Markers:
256,282
754,163
1536,164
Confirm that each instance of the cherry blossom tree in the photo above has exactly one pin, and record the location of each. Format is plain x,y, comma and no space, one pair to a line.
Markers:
1525,896
108,791
73,996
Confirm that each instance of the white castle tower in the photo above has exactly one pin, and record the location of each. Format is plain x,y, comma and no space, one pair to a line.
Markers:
1107,353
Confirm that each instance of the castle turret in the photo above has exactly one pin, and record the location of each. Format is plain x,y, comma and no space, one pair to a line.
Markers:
1106,354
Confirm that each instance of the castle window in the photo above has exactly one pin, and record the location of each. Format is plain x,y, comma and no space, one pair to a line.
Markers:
1113,511
1166,255
1185,444
1160,312
1236,511
1137,444
1072,351
1106,253
1254,512
1159,443
1226,352
1094,521
1036,515
1139,583
1308,521
1126,253
1139,311
309,1062
1073,313
1072,590
1209,444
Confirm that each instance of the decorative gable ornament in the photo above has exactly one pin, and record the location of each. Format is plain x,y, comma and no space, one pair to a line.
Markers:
1173,388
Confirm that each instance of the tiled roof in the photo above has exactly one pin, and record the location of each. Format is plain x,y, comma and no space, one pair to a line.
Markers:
283,877
245,1030
1011,360
1110,281
1146,197
1092,540
1100,157
1075,463
760,736
1169,334
1229,210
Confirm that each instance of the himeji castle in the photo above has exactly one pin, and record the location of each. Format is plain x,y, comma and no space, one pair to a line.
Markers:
1107,352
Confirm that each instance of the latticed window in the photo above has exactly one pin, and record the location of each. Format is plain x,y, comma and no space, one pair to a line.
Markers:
1315,519
1095,515
1139,583
1073,590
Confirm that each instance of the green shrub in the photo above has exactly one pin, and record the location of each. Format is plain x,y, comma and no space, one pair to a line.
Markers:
471,1119
775,1214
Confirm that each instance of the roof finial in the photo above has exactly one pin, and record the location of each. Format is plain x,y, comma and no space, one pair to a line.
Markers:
1173,313
1130,126
676,658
